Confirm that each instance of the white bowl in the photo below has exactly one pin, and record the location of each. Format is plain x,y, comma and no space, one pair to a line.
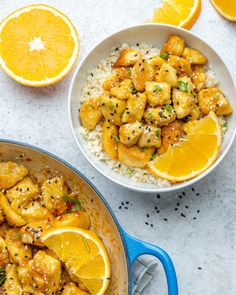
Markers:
154,34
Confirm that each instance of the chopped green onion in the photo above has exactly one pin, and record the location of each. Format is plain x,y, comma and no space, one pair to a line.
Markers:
130,71
111,107
183,86
2,276
92,107
169,108
194,94
153,156
157,133
164,55
128,171
144,149
225,125
86,245
149,115
72,200
158,87
116,138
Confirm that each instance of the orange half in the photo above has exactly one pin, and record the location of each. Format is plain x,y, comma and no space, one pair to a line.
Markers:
38,45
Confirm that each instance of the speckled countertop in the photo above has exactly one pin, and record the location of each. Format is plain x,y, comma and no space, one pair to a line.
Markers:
196,226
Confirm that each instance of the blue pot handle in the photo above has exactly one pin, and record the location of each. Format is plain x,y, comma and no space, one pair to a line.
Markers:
137,248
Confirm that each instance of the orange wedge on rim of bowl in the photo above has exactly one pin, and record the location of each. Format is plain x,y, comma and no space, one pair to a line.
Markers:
182,13
38,45
84,255
194,154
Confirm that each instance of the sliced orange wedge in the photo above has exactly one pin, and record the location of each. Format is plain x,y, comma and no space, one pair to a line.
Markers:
84,255
194,154
38,45
182,13
227,8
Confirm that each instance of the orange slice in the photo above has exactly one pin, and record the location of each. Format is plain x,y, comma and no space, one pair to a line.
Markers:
194,154
38,45
226,8
84,254
182,13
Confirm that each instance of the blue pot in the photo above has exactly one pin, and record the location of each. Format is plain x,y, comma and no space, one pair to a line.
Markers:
122,248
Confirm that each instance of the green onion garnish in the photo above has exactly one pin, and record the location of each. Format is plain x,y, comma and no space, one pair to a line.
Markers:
77,203
169,108
2,276
129,171
143,149
158,87
149,115
153,156
183,86
225,125
86,245
164,54
116,138
157,133
130,71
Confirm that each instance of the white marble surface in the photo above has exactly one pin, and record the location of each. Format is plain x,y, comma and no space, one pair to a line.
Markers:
39,117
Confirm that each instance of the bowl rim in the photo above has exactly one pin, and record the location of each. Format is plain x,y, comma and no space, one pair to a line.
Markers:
172,188
91,185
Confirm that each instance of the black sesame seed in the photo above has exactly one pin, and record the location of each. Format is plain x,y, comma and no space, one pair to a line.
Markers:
180,197
127,202
151,225
165,219
158,196
177,204
182,214
176,209
194,218
126,208
186,207
198,211
122,203
148,216
120,207
146,223
199,268
193,189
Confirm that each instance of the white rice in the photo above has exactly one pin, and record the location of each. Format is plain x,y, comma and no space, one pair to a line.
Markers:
93,88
